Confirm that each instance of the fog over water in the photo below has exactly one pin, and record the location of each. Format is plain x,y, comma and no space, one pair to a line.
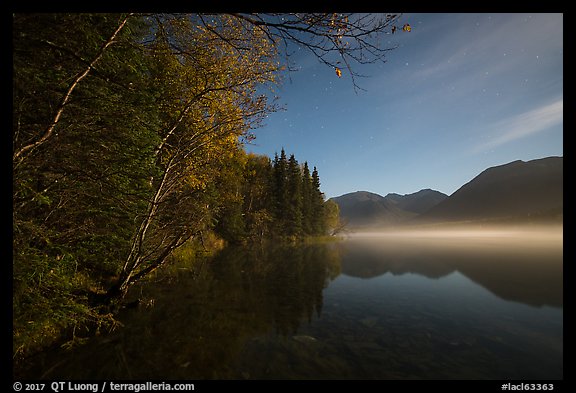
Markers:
552,234
445,303
542,240
522,264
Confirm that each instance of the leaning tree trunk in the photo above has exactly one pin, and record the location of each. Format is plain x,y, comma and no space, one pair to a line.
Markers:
20,154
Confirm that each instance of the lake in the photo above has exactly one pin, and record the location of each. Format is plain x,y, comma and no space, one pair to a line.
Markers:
394,305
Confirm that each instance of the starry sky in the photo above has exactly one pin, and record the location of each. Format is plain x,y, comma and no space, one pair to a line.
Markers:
459,94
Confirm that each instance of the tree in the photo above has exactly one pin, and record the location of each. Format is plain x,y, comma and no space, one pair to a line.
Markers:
127,142
332,217
81,164
318,219
201,98
338,40
294,206
210,102
227,190
280,190
258,199
49,130
307,196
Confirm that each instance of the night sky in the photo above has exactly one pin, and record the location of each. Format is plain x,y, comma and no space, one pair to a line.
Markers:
461,93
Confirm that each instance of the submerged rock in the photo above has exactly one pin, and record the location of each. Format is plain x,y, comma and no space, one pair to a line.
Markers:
304,339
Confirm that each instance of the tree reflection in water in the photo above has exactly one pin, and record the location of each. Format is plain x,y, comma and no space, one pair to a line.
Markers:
203,315
263,313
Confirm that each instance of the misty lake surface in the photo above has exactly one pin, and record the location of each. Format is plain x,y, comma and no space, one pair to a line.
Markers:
460,305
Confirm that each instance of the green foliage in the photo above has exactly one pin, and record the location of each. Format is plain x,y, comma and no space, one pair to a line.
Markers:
75,196
294,206
258,290
143,155
307,197
49,299
332,217
276,198
318,214
133,149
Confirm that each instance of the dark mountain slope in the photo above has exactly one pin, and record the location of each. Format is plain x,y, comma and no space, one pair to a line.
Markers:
364,208
512,190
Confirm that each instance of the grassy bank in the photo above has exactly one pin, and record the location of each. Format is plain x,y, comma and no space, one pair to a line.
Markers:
55,304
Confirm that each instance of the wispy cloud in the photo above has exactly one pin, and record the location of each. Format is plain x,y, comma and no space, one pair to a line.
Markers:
528,123
496,42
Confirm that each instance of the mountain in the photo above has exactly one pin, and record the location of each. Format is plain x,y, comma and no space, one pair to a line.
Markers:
525,190
517,189
418,202
363,209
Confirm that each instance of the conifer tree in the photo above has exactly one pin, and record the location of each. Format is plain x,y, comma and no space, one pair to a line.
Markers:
306,200
280,191
318,222
294,207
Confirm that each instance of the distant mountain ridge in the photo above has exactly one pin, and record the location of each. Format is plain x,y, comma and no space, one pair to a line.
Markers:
418,202
516,190
363,208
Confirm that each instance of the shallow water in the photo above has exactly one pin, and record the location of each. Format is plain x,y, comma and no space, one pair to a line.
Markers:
379,306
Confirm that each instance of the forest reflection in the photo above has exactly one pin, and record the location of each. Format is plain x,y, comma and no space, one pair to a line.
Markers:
225,317
203,314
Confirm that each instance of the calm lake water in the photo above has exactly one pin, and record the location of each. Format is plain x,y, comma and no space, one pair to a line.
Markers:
464,305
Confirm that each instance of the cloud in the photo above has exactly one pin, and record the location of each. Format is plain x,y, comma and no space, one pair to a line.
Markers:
528,123
479,44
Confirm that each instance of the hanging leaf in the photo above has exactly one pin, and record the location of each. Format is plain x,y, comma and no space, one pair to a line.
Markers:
338,72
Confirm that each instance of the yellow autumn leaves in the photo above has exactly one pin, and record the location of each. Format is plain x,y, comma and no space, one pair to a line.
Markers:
406,28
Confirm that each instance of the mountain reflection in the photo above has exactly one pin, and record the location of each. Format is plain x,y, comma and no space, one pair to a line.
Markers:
248,313
522,267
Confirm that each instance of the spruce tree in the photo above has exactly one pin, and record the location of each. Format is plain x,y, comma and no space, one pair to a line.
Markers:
280,191
294,208
318,221
306,200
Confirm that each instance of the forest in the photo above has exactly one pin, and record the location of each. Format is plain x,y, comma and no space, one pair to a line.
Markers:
129,135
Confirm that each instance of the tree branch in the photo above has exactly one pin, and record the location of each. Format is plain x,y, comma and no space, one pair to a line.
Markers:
49,131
